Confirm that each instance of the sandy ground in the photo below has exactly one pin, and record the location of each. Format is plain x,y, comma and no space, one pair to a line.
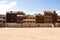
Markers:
29,33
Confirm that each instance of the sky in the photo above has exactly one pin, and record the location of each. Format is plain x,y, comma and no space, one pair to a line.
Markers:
29,6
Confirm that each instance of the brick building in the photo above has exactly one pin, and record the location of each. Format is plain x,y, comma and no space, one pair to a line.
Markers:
39,18
11,17
50,17
20,16
29,19
2,20
58,19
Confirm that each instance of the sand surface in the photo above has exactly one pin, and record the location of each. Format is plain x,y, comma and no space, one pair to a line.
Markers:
29,33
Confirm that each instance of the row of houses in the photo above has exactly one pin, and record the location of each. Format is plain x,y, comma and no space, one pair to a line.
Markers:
19,18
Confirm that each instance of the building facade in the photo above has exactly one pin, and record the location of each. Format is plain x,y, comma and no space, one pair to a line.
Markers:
20,16
39,18
50,17
15,16
11,17
2,20
58,19
29,19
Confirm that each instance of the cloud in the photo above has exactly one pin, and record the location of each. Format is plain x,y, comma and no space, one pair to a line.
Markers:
3,1
5,7
58,12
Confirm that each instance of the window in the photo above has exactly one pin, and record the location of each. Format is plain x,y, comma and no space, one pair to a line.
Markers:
3,21
0,20
4,18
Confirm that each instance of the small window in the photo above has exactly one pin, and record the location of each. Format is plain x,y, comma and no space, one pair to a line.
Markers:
4,18
3,21
0,20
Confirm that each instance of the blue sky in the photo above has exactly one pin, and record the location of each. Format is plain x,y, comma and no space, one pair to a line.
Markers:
32,6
